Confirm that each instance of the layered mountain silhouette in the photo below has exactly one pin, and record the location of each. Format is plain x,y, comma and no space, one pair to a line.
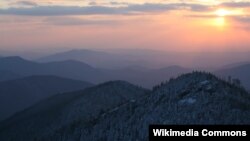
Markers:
120,111
82,71
18,94
69,69
233,65
120,58
238,71
94,58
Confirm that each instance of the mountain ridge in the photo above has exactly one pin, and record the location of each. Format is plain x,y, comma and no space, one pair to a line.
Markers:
82,71
94,58
87,104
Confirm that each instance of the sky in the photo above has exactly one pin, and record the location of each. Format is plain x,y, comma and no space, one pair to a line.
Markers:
169,25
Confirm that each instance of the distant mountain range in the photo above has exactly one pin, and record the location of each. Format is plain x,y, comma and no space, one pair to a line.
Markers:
234,65
18,94
123,58
68,69
82,71
240,71
141,58
94,58
121,111
16,67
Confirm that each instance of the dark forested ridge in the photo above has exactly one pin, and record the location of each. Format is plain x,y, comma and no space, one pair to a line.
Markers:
61,110
18,94
120,111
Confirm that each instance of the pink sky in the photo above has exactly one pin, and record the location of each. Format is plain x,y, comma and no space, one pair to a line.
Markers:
196,25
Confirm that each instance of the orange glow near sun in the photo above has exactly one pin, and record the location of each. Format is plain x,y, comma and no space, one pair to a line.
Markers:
222,12
220,21
228,12
222,15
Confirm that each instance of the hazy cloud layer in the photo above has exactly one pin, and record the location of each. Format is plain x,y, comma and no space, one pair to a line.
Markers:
26,3
70,21
59,10
116,8
236,4
90,10
242,19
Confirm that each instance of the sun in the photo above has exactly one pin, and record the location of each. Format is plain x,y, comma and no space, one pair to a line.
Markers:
222,12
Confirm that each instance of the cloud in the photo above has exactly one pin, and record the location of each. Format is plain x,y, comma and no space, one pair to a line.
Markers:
25,3
70,21
149,7
58,10
236,4
199,7
92,3
201,16
118,3
242,19
101,10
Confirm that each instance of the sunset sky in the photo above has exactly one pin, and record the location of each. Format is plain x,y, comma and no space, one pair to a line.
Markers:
171,25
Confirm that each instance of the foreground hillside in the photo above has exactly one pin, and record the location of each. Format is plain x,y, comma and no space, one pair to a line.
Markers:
62,110
195,98
18,94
